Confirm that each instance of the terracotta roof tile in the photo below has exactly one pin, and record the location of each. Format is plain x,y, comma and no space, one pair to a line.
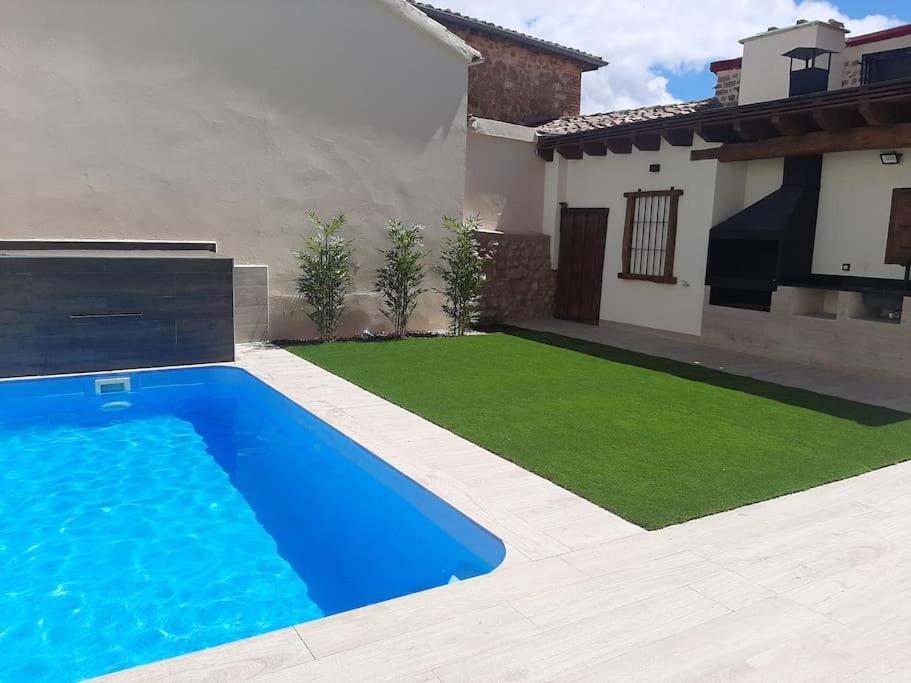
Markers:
580,124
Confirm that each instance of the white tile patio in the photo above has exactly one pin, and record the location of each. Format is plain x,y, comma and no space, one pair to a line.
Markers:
809,586
895,394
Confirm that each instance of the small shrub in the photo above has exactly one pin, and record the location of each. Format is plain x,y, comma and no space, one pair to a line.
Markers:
399,278
325,274
462,270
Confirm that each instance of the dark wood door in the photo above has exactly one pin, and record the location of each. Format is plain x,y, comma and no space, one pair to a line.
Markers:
583,233
898,245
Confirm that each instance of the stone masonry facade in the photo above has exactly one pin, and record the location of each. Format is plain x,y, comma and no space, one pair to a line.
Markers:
519,84
851,76
521,283
727,89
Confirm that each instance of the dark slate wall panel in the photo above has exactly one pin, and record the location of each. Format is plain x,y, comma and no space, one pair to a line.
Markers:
81,314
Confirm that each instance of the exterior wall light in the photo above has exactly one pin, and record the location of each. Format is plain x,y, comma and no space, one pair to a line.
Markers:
890,158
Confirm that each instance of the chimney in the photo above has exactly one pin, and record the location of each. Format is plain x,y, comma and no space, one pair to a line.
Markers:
794,60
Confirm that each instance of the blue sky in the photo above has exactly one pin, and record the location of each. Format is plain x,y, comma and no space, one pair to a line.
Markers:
659,50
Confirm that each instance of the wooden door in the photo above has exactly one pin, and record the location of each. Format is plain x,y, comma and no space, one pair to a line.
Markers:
898,245
583,233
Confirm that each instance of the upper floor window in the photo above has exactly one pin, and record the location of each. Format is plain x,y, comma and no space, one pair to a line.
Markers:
885,66
650,235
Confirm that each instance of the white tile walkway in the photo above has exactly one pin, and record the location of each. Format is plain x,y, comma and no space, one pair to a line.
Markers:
810,586
894,394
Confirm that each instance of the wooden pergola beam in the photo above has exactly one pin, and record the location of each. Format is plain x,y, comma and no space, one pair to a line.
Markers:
819,142
546,153
792,124
620,146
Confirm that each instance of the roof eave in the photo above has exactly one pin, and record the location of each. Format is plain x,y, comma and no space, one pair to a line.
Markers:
586,61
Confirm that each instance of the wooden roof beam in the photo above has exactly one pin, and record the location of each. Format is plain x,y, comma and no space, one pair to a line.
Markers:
880,113
546,153
620,146
718,132
647,143
679,137
755,129
595,149
833,120
571,151
797,123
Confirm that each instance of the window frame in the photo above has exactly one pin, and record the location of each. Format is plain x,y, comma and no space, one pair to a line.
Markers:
870,60
670,245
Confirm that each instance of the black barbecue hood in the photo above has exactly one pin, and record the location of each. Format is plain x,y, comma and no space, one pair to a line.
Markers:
768,218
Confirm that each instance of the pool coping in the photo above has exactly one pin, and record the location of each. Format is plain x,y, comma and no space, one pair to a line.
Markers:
535,519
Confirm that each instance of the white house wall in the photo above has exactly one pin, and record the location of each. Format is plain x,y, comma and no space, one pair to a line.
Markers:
854,207
226,120
504,180
601,182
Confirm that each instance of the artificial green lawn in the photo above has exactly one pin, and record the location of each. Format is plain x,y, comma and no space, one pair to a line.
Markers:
655,441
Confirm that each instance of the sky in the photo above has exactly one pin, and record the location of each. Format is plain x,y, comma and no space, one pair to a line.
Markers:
659,50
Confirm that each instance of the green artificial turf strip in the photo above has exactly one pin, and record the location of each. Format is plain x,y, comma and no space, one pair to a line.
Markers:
653,440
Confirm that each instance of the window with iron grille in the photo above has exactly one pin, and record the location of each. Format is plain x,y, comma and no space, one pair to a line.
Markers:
650,235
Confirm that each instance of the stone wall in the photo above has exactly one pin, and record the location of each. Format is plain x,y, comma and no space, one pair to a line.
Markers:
851,74
520,279
727,89
519,84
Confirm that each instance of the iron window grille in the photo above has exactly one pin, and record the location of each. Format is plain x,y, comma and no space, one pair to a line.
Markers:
650,235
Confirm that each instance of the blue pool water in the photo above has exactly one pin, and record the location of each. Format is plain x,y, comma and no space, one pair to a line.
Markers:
199,508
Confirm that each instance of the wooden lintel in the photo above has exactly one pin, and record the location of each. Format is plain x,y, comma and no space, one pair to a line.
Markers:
595,149
820,142
879,113
797,123
833,120
679,137
647,143
547,153
755,129
571,151
620,146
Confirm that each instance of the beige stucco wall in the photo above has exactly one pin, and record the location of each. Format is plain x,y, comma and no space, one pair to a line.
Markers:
504,181
854,207
601,182
226,120
765,74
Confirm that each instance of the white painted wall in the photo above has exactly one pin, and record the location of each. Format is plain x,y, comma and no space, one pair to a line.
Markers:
601,182
226,120
762,178
765,74
854,207
504,179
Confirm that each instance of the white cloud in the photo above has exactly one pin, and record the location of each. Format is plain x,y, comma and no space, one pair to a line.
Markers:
640,38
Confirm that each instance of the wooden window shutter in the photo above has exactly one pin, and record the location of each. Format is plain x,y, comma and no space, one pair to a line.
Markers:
898,244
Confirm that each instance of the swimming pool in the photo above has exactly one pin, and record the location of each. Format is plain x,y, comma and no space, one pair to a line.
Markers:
183,509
